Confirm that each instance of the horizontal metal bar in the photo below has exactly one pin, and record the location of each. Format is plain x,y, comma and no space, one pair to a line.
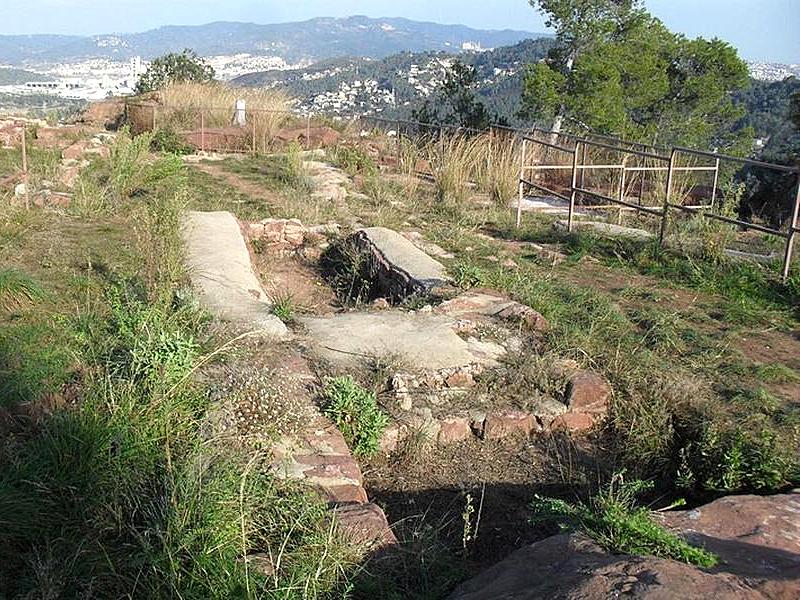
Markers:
744,224
548,144
599,167
547,167
618,149
653,211
744,161
544,189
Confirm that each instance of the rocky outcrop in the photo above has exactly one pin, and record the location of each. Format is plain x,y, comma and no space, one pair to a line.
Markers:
107,114
219,139
477,306
757,540
313,137
397,267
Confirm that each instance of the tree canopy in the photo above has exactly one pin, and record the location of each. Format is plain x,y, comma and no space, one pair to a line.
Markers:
617,70
174,67
457,103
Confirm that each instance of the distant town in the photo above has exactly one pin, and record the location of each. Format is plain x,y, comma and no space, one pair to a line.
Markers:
95,79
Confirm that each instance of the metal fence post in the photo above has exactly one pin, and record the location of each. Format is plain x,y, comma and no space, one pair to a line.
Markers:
793,225
622,182
521,182
573,184
202,130
665,215
25,180
714,185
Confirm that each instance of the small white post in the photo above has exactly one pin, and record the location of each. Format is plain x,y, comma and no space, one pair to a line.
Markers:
240,117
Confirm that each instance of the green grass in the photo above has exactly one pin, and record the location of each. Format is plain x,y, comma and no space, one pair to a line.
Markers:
614,521
355,412
18,289
118,490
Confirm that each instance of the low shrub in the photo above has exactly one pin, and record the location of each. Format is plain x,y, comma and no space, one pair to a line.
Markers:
168,141
355,412
354,160
614,521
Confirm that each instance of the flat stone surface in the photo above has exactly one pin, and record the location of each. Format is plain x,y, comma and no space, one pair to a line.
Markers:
549,205
427,341
221,272
403,257
607,229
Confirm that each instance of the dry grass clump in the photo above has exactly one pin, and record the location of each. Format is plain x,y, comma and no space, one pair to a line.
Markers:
500,168
454,162
182,103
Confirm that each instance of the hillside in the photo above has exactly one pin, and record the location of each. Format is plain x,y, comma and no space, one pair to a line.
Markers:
394,86
316,39
10,76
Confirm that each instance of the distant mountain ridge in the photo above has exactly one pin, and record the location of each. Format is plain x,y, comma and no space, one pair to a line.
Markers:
316,39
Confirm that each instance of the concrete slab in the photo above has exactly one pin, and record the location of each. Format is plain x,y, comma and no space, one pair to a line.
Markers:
220,270
400,268
549,205
427,341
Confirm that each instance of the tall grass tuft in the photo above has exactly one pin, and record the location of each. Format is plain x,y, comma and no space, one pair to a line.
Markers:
454,161
18,289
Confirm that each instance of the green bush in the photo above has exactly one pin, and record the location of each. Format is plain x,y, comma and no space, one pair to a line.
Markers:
739,459
355,412
614,521
166,140
354,160
133,171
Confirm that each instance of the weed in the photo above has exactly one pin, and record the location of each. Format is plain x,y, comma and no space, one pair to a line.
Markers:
613,520
467,275
283,307
354,160
777,373
737,458
355,412
346,267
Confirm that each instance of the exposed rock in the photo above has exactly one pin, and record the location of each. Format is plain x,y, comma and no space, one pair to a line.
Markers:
588,393
392,436
427,247
505,424
76,150
220,269
426,341
59,137
454,429
606,229
68,175
10,134
218,139
314,137
279,233
756,538
573,422
365,524
399,268
474,304
108,114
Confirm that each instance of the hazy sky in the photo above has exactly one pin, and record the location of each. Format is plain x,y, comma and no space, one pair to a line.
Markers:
761,29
